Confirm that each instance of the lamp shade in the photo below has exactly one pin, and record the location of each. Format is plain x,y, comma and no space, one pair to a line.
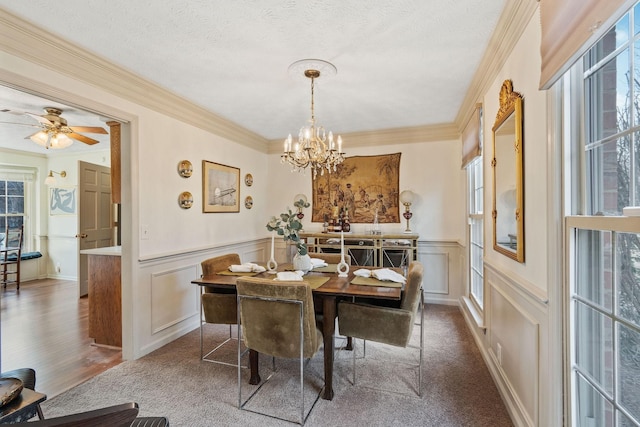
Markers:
406,197
56,140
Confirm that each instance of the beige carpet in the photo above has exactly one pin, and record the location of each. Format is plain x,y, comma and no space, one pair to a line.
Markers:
457,387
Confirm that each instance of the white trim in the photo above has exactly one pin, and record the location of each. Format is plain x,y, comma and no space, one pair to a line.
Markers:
521,285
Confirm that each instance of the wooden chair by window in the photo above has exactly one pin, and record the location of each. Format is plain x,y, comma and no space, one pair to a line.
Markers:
10,253
387,325
219,306
277,319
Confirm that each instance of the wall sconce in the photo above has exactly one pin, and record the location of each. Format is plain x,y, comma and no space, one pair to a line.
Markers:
406,198
51,180
300,202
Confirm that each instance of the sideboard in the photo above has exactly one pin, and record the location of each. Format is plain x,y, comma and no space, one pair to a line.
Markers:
376,250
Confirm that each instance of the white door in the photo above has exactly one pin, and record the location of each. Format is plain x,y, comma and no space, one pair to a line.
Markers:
95,228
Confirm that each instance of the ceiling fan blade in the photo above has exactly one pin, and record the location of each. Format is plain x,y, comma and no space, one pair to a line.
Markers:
82,138
88,129
24,113
20,124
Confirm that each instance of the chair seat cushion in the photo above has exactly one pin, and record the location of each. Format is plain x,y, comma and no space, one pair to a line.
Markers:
219,308
380,324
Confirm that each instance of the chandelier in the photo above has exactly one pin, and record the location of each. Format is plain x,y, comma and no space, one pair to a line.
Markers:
314,148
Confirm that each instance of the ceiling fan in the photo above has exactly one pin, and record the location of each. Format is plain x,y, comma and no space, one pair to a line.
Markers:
55,133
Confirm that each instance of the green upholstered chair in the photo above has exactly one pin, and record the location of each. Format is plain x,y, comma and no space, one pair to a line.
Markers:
277,319
218,305
387,325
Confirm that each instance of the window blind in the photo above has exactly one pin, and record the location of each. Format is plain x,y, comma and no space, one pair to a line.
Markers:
569,28
471,144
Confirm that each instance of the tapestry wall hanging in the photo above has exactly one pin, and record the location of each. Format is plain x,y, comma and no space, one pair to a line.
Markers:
362,184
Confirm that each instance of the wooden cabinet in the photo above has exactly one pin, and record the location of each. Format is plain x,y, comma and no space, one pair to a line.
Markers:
376,250
105,297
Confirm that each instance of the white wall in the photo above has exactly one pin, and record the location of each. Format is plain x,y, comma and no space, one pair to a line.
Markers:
519,344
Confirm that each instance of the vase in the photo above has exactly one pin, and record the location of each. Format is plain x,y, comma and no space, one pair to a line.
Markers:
302,262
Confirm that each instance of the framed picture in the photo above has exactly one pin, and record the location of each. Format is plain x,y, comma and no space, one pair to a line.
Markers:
220,188
62,201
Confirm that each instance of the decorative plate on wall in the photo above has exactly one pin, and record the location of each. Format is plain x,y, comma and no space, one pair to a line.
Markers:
248,180
185,200
248,202
185,168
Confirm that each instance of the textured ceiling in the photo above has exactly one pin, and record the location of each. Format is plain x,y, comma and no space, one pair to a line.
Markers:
401,63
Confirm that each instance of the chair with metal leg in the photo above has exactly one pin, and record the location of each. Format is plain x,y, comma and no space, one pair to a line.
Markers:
218,306
387,325
277,319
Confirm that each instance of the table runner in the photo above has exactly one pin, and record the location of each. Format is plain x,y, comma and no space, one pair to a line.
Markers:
232,273
330,268
370,281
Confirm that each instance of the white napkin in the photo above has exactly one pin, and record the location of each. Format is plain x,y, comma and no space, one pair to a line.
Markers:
383,274
362,272
247,267
289,275
317,262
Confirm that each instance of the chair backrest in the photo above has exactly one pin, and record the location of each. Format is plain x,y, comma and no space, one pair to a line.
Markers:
272,325
113,416
413,287
331,258
220,263
13,237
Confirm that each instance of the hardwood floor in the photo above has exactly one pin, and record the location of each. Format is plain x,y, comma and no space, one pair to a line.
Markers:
45,327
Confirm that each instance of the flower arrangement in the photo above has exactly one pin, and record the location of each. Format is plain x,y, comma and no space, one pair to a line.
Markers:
288,226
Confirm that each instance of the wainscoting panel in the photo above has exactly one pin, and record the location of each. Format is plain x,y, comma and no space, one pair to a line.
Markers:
436,273
442,282
174,286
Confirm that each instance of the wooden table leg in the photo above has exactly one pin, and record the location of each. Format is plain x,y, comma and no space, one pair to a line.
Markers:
328,329
254,359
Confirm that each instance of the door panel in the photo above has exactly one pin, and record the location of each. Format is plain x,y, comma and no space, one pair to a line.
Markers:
96,215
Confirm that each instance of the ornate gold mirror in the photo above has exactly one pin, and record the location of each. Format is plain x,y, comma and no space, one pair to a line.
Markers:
508,182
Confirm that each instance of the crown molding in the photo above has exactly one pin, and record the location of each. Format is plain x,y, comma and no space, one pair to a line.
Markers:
512,22
409,135
24,40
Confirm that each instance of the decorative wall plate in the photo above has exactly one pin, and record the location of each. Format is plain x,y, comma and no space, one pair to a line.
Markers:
248,180
185,200
185,168
248,202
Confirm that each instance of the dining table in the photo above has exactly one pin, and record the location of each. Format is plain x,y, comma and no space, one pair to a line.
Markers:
332,289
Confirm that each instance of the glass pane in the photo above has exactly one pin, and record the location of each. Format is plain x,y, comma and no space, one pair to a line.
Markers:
15,188
623,421
15,205
608,167
594,269
615,37
3,187
629,370
635,181
3,204
628,278
15,221
636,18
591,408
607,99
593,347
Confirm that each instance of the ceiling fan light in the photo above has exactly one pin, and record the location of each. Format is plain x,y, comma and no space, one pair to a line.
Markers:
60,140
40,138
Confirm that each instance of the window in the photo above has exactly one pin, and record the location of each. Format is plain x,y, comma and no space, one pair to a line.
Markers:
17,200
12,211
476,228
604,253
476,232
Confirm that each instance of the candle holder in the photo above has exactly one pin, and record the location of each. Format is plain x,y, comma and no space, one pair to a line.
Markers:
406,198
342,267
272,265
